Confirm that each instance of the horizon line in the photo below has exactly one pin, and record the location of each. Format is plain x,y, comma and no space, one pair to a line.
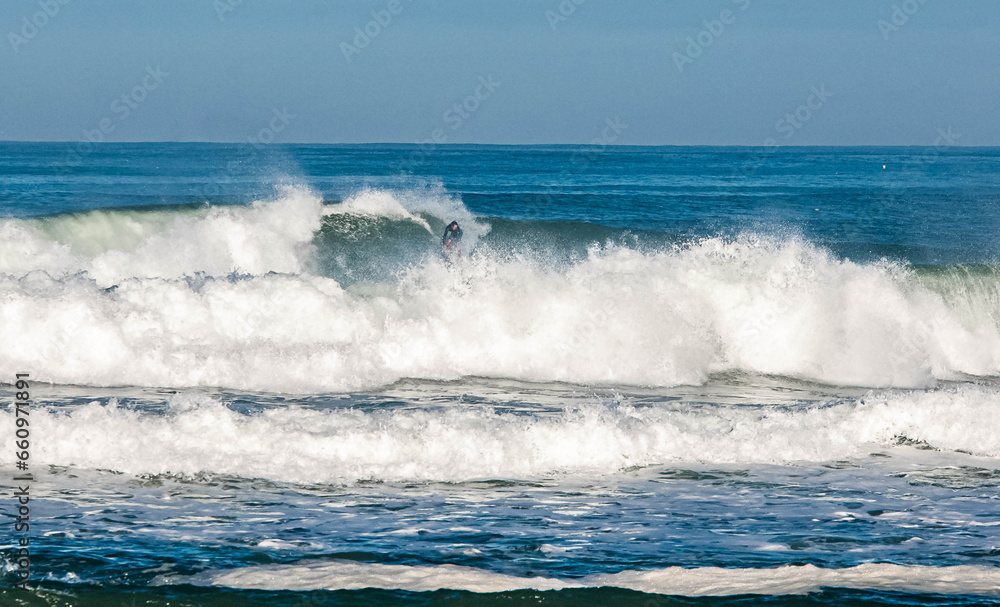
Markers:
455,145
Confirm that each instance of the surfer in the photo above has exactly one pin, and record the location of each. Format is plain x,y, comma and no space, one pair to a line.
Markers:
452,240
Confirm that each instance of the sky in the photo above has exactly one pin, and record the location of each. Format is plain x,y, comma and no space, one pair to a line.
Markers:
641,72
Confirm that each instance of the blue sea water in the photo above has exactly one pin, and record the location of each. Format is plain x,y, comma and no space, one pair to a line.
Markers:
655,375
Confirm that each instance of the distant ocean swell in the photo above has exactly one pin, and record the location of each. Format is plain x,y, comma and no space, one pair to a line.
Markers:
198,435
300,296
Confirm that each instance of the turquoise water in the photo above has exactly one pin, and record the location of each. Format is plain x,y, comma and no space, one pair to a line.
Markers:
655,376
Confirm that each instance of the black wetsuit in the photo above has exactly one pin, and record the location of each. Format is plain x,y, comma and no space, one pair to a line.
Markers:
452,236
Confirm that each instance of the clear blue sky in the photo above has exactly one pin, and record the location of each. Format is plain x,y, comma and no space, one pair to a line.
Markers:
932,67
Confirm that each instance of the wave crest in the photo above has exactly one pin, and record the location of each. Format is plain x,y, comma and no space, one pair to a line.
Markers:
238,297
460,443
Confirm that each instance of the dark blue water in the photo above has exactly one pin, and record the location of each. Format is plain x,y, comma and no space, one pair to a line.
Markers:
925,204
258,381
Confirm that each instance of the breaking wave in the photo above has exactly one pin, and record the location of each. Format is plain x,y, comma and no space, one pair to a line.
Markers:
453,442
298,295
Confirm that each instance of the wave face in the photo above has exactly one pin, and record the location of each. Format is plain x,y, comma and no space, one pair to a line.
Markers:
198,434
296,295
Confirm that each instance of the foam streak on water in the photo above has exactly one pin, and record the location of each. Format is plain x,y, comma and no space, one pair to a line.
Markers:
707,581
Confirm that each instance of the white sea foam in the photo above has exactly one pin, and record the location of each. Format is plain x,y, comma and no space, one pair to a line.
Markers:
679,581
460,443
229,296
114,246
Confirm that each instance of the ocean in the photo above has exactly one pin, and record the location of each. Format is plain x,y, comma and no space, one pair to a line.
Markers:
248,375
